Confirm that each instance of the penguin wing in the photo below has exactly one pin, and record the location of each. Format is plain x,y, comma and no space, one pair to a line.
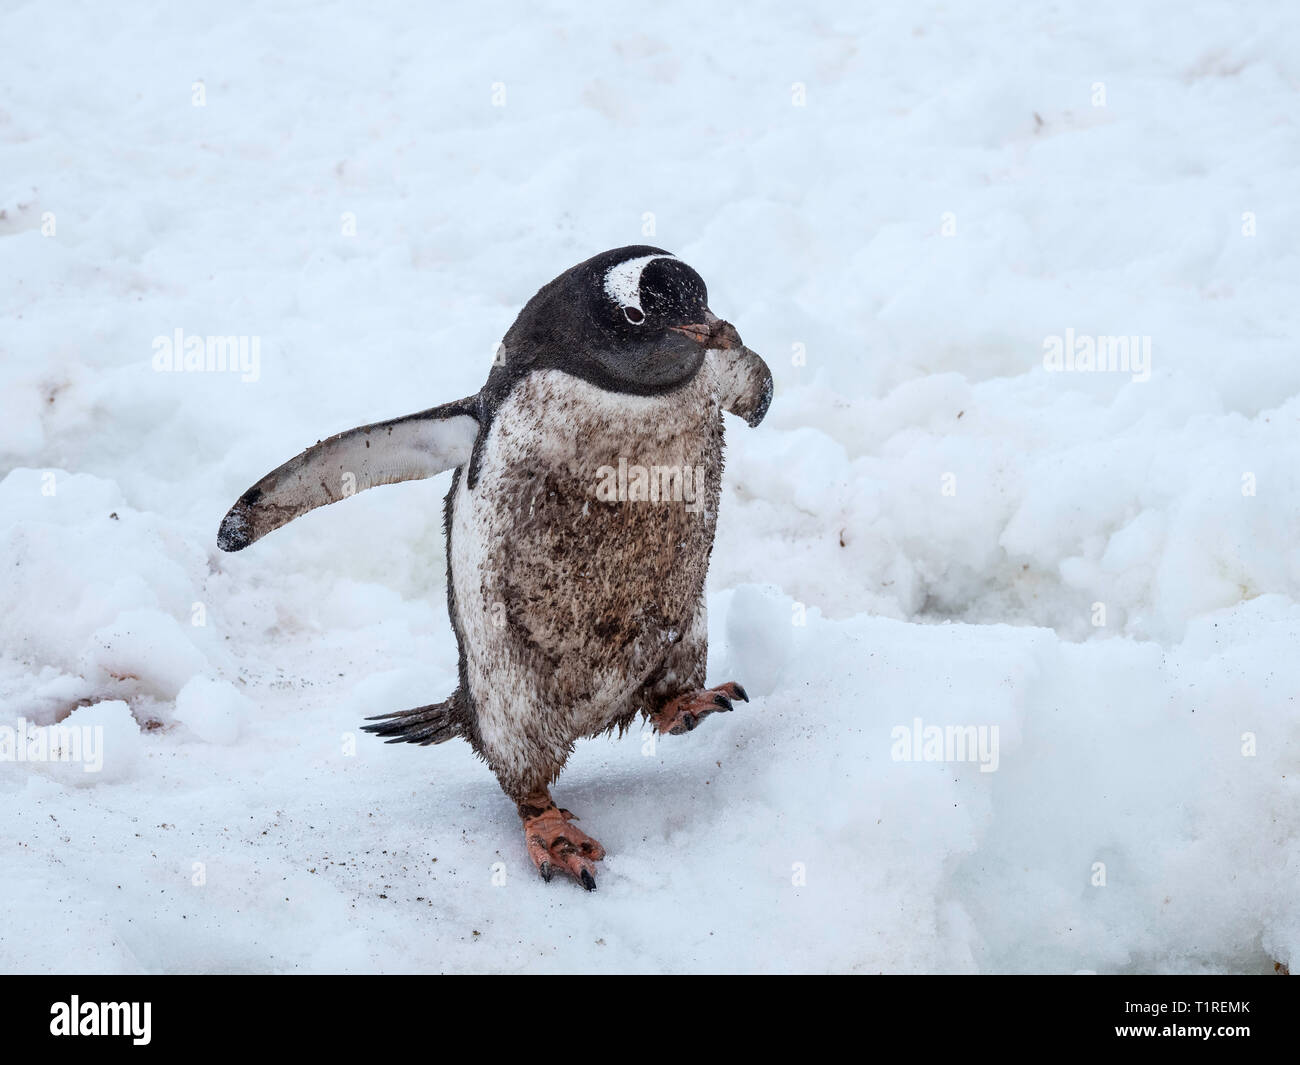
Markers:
403,449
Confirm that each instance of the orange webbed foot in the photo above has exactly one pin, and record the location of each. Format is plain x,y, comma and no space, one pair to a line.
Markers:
554,843
686,711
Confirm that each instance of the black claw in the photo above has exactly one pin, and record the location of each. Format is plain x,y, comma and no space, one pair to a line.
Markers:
588,881
546,871
690,721
741,692
722,701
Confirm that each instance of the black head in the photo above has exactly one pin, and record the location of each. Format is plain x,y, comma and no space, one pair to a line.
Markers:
634,319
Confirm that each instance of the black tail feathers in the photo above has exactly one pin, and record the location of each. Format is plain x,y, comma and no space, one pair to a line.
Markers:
435,723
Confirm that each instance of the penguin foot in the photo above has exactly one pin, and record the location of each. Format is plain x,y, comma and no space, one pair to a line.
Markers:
553,843
686,711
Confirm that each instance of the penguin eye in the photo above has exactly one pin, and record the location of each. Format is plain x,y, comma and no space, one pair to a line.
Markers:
634,315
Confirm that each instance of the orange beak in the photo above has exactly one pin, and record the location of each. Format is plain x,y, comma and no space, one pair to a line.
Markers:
712,333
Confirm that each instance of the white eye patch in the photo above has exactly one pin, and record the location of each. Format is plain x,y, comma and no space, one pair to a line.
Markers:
623,284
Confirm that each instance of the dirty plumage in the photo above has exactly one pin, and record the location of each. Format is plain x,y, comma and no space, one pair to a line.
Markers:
579,523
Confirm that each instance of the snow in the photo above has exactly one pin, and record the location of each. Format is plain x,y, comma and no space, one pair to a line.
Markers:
905,210
213,710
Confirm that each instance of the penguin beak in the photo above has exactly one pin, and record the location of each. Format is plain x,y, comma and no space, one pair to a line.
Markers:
745,382
712,333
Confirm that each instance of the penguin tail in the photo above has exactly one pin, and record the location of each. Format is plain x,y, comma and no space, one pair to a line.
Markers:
435,723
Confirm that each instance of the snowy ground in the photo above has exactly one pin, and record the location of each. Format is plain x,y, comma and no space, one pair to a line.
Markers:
899,208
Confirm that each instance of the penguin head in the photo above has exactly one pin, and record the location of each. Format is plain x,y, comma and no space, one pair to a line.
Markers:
633,320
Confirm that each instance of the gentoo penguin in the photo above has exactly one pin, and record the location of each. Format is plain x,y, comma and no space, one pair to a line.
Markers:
579,524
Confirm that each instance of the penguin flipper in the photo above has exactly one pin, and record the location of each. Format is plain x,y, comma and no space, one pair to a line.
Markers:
401,449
